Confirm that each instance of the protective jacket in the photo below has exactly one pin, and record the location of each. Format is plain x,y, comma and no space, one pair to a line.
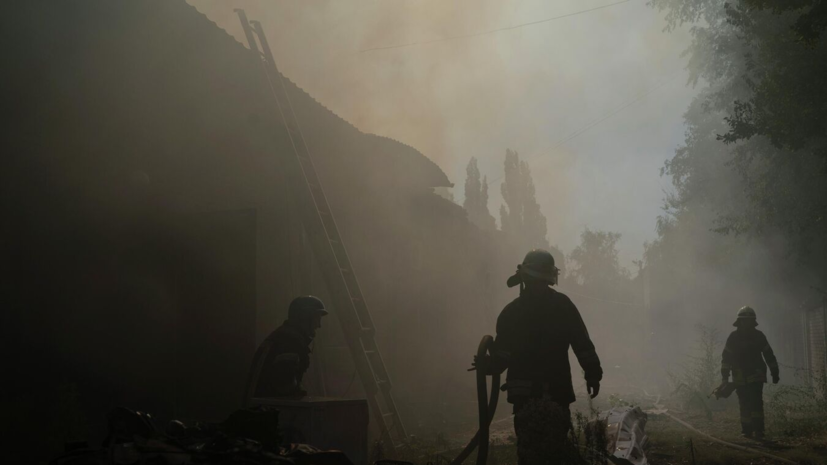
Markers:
744,356
534,333
280,363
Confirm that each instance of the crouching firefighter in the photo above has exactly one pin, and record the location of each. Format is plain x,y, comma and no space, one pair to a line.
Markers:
747,354
282,359
534,333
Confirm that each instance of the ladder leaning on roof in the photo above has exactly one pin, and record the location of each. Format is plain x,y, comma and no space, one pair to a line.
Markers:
329,250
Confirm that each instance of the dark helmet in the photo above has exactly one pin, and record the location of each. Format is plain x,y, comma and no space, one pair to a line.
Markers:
305,307
538,264
746,316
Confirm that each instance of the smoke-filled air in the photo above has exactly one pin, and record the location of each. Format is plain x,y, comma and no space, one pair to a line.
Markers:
410,232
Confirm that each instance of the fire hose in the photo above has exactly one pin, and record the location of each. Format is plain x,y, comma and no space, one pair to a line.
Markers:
487,406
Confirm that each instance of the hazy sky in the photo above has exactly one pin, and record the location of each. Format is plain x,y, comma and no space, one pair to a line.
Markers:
525,88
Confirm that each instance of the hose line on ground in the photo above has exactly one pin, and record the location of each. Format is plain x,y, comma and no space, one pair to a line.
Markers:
487,406
713,438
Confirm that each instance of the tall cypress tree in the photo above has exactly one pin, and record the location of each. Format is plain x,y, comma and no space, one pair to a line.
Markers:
472,186
520,216
476,197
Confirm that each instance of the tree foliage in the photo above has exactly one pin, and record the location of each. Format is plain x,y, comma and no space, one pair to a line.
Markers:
810,23
594,262
756,145
476,197
520,217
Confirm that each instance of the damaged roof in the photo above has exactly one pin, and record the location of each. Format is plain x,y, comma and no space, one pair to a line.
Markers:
156,88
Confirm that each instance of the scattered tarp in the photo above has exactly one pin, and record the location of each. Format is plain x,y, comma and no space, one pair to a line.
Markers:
625,436
248,437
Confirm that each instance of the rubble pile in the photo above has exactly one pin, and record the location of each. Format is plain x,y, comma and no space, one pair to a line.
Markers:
247,437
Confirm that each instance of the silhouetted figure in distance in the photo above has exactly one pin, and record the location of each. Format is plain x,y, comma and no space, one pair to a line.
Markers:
282,359
745,353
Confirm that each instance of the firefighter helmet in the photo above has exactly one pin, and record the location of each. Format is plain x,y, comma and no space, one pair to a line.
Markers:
305,307
537,264
746,315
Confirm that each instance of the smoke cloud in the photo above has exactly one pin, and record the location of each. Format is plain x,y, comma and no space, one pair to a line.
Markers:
525,88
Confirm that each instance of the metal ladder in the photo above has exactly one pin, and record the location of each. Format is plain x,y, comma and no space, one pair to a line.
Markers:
329,250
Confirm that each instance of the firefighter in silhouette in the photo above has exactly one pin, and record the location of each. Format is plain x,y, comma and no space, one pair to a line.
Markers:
747,354
282,359
534,333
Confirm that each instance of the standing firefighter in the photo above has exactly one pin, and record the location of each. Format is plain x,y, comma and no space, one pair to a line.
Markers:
282,359
534,333
743,358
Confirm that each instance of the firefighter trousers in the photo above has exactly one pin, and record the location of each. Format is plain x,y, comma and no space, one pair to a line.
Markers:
751,403
542,426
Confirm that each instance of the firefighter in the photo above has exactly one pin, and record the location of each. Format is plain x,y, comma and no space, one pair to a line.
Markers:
282,359
534,333
747,355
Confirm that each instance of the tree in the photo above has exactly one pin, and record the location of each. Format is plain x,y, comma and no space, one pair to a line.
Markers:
594,263
809,25
521,219
764,67
476,197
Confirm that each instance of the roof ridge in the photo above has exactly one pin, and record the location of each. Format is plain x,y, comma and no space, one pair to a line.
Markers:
284,76
398,142
305,94
230,36
312,98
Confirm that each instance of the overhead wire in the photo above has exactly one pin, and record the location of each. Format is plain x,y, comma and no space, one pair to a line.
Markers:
577,132
491,31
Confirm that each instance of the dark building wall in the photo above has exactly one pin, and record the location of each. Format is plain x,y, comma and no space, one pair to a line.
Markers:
136,122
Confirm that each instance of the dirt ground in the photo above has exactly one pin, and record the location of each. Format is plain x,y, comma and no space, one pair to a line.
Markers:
670,443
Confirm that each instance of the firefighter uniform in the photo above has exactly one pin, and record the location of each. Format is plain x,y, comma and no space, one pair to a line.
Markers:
534,333
282,359
537,329
746,356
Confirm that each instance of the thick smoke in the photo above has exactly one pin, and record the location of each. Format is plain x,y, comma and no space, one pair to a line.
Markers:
525,89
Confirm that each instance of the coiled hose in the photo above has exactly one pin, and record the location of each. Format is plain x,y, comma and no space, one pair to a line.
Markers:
487,407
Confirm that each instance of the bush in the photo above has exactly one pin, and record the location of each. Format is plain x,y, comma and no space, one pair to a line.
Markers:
701,372
799,409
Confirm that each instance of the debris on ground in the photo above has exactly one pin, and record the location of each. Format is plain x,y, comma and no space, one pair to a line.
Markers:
625,435
248,436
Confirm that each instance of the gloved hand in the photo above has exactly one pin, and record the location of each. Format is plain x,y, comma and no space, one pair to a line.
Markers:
593,387
775,379
483,365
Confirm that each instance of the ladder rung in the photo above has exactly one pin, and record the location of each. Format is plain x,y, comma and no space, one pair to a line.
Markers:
356,319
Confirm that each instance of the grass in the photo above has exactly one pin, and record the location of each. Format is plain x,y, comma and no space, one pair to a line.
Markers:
585,444
669,441
796,418
700,372
799,410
